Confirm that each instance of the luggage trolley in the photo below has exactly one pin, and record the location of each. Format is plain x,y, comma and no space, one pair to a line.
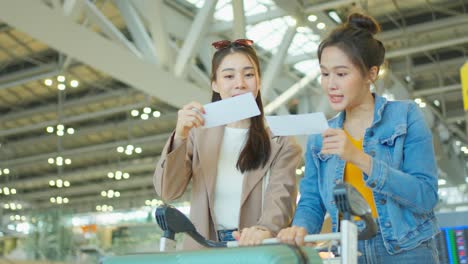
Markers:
343,244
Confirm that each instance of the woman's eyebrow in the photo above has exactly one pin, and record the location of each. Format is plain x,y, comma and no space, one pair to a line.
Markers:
232,69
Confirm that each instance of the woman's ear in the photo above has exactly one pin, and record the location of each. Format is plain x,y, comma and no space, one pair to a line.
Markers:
373,73
214,87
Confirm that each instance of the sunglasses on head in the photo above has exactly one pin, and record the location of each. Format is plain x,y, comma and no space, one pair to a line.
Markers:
221,44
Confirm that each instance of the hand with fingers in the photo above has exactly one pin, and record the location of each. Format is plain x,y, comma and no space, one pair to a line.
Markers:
336,142
293,235
251,236
188,117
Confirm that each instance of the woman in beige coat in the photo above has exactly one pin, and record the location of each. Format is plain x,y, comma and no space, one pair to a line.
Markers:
243,177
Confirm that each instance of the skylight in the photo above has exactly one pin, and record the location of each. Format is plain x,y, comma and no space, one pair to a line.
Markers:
224,8
268,34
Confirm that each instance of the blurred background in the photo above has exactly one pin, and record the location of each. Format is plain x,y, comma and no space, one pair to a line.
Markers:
89,93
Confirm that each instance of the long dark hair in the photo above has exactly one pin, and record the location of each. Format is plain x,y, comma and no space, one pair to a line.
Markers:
257,149
355,38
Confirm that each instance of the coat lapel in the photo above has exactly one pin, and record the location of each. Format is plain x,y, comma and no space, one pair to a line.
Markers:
253,177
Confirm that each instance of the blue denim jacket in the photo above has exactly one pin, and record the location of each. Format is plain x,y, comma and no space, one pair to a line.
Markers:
403,176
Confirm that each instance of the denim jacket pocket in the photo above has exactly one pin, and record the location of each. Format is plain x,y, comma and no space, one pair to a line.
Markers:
399,131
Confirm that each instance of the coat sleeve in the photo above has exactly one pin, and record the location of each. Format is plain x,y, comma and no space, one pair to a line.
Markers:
281,192
174,169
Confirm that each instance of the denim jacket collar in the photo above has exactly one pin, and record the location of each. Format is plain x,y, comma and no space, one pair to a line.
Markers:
379,106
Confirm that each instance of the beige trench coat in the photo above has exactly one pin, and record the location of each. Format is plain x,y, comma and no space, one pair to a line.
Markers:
197,160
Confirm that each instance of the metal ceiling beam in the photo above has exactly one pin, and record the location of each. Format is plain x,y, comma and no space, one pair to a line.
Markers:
290,93
427,47
326,5
455,119
29,75
137,29
193,39
239,19
87,204
88,189
433,66
392,53
462,135
168,120
85,150
71,119
422,28
44,24
106,26
302,57
276,62
72,8
68,104
221,27
154,12
438,90
84,174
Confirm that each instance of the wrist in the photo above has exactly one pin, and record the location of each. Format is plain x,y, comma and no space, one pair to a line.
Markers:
363,161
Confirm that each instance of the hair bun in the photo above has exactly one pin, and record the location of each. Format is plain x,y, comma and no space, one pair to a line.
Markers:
360,21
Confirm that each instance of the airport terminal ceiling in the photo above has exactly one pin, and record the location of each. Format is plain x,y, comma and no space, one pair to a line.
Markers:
89,90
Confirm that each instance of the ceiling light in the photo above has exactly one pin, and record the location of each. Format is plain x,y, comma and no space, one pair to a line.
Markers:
302,29
74,83
59,161
134,112
312,18
48,82
334,15
61,86
156,114
321,25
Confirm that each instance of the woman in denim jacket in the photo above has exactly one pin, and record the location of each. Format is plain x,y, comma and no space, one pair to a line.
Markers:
383,148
